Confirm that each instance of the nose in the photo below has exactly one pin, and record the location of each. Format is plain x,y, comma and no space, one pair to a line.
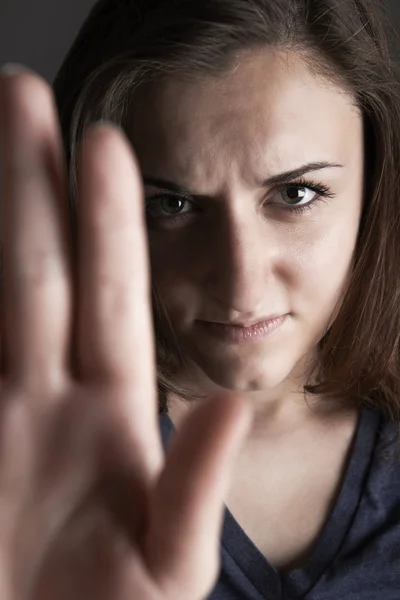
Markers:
241,266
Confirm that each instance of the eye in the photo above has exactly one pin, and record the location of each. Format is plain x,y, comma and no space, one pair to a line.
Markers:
167,206
298,198
317,192
296,193
167,203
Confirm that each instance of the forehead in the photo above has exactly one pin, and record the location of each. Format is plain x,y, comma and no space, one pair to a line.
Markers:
270,110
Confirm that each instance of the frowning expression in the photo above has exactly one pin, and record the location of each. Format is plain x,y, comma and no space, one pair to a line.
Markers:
254,187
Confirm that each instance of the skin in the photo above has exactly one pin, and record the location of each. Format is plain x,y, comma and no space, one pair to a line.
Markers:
240,254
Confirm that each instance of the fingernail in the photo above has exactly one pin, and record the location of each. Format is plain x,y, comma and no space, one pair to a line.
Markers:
12,68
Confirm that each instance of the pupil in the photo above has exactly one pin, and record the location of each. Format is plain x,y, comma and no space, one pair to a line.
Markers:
173,205
295,190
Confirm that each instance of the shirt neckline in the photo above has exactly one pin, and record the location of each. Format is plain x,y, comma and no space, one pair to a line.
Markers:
300,580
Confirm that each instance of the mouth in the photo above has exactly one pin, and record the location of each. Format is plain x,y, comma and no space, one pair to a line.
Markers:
239,333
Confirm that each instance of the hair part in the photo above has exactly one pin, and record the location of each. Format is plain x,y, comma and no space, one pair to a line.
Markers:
126,45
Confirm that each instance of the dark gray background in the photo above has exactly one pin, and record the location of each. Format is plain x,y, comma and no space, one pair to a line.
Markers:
38,33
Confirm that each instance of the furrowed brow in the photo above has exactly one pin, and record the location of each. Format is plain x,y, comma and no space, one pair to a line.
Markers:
274,180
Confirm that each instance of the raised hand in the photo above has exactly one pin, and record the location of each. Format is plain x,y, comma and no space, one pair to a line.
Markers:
89,505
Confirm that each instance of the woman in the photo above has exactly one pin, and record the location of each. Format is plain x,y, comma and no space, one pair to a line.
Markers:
264,141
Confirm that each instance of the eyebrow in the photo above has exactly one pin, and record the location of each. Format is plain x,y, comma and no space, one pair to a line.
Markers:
274,180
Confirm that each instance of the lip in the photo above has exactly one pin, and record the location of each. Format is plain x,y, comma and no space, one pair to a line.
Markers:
246,324
239,334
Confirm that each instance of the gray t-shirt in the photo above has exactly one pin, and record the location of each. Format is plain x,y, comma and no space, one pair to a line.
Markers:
357,555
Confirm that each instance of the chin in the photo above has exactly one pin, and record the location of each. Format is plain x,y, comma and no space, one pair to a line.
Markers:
248,374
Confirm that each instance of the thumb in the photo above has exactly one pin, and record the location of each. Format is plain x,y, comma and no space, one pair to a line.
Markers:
187,507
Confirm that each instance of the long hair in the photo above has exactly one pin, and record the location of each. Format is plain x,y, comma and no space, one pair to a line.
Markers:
126,44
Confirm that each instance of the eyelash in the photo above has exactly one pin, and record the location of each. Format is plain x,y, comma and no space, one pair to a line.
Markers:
323,192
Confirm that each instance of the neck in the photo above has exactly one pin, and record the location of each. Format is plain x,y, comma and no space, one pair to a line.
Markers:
274,418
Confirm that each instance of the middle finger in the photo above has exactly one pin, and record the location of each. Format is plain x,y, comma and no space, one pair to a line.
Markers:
115,331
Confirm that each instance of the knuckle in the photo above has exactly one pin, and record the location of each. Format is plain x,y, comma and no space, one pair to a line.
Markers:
42,268
41,387
116,295
40,381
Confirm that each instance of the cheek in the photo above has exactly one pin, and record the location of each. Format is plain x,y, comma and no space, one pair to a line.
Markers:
175,270
325,264
177,256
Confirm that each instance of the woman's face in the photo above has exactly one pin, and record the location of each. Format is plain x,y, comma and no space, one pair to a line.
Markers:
229,248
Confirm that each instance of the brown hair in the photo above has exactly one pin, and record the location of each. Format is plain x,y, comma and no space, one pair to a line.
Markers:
126,44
